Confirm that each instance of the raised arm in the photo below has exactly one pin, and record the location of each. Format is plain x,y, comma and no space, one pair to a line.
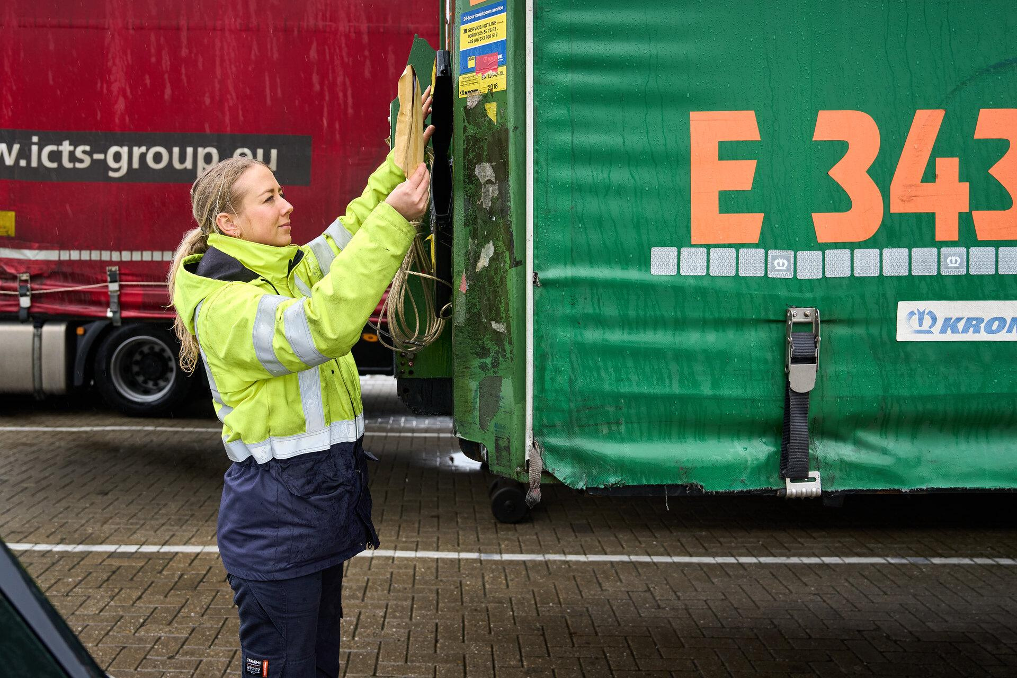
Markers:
339,232
379,185
256,335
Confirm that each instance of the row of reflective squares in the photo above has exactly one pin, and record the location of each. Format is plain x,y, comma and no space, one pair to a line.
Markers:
840,263
85,255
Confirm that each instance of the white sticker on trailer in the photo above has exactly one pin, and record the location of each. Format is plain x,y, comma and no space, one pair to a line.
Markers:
957,320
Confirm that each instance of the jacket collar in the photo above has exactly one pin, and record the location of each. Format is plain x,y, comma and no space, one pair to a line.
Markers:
265,260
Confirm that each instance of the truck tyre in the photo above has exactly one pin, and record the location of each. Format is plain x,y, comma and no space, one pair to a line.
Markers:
136,370
508,501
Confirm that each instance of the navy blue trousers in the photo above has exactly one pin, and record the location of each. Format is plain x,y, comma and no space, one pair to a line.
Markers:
289,628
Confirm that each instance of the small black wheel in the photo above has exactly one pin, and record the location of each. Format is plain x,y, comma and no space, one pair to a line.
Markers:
508,501
136,370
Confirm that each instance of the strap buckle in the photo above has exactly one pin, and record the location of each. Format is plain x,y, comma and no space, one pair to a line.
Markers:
806,488
801,370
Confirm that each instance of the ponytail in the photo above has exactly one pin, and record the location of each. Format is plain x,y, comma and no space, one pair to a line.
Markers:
211,194
194,242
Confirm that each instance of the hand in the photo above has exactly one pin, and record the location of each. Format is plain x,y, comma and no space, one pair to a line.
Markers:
410,197
426,108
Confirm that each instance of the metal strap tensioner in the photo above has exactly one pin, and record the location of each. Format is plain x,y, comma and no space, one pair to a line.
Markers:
24,296
801,366
113,282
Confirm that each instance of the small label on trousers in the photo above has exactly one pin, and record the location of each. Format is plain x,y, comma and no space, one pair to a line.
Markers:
256,667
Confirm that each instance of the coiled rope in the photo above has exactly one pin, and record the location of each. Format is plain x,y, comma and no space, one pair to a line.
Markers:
409,320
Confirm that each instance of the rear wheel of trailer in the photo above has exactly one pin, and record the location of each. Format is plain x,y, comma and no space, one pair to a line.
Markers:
136,370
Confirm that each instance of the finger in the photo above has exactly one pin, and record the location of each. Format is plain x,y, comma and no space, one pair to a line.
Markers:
421,189
414,179
419,192
428,133
425,194
427,91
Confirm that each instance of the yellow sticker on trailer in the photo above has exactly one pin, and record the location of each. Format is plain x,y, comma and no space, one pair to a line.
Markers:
7,223
482,83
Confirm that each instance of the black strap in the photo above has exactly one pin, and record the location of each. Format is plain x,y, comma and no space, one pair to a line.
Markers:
24,296
794,443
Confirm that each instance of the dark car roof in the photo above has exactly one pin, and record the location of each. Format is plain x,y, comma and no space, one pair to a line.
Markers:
44,621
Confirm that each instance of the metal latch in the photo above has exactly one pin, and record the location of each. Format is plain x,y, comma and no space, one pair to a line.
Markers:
113,280
24,295
801,371
806,488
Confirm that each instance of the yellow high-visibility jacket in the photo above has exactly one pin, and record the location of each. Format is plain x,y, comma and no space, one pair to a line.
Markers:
276,325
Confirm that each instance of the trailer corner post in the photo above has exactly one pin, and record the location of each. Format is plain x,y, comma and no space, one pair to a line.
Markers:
529,230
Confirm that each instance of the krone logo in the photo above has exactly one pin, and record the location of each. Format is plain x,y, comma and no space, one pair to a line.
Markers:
780,264
922,321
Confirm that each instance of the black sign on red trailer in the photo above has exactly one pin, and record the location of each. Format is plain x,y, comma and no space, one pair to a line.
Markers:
145,157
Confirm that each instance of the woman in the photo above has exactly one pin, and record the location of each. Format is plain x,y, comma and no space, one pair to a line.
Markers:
273,324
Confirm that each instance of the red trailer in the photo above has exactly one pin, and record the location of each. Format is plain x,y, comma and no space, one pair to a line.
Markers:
110,109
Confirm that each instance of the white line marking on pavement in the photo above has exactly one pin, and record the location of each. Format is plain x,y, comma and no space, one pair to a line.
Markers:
191,429
112,548
552,557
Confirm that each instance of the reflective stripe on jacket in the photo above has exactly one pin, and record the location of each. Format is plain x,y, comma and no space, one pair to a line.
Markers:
276,325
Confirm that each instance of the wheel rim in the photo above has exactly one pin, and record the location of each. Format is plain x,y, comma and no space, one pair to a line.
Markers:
143,369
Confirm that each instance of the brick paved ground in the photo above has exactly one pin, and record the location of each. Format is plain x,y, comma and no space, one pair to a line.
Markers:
171,614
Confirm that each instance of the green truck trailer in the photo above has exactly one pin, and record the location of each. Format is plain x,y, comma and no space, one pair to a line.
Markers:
730,247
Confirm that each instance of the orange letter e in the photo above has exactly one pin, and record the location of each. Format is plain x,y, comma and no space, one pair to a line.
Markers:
710,176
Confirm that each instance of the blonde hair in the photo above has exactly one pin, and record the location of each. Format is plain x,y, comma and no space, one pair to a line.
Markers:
212,193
